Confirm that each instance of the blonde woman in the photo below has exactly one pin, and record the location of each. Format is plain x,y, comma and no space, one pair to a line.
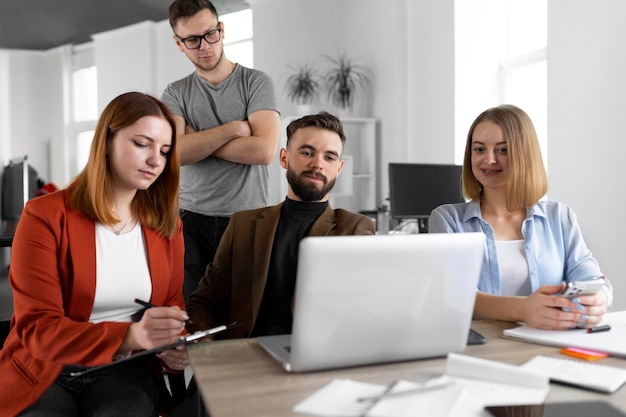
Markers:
533,247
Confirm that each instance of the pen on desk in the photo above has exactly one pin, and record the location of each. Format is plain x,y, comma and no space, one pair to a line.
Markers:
604,328
374,400
419,390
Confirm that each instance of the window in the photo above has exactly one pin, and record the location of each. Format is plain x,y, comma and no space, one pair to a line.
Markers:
84,94
525,70
238,45
83,106
500,57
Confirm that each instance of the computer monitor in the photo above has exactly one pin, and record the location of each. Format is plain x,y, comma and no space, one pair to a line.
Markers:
416,189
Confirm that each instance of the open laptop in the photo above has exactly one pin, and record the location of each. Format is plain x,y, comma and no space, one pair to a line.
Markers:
373,299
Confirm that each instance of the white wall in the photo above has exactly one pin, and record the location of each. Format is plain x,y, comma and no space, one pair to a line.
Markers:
287,32
5,108
431,83
410,47
56,74
32,112
141,57
478,54
170,63
418,91
28,109
125,59
587,141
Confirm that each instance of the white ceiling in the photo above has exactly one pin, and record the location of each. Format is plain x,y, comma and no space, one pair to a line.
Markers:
45,24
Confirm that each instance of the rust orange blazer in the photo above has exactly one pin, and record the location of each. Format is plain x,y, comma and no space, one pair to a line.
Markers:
53,276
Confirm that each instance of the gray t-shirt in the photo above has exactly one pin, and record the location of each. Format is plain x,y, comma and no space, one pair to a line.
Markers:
213,186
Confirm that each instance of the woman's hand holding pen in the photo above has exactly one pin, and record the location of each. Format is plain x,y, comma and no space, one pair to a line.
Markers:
176,359
159,326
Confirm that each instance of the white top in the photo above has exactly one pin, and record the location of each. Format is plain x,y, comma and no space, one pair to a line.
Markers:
514,275
122,274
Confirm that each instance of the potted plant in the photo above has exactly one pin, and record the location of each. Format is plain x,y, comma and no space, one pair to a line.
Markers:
303,87
344,81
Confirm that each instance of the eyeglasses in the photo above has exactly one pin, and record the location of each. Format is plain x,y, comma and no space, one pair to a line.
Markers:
211,37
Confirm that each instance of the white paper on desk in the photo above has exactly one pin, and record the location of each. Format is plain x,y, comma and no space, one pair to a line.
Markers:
477,383
487,382
339,398
439,403
616,317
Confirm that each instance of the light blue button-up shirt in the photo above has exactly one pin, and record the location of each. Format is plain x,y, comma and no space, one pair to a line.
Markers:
554,244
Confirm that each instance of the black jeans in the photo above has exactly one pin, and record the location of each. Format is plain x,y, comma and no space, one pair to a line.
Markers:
128,391
202,236
193,406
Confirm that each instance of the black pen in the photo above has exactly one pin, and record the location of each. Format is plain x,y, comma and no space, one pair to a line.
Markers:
144,303
604,328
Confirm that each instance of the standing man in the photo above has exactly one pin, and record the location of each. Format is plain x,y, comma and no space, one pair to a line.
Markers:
253,276
228,129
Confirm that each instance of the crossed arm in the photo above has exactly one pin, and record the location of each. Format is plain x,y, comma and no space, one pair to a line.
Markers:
253,141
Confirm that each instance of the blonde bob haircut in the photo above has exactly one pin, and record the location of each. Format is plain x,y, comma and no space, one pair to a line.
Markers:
527,180
91,191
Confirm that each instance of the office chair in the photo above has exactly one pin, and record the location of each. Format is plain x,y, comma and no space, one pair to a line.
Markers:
6,294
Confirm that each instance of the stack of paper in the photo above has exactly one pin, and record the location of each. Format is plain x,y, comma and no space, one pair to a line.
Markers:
468,385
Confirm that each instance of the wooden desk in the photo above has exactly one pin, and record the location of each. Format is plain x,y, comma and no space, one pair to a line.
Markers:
238,378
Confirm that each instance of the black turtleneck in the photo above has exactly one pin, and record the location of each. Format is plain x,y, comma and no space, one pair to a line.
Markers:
296,219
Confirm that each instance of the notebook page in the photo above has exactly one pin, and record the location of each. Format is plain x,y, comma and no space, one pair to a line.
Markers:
593,376
615,317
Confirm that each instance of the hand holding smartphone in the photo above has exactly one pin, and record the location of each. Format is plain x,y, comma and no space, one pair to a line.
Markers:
577,288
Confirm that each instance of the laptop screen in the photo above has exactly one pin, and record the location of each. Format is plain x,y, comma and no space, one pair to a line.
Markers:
372,299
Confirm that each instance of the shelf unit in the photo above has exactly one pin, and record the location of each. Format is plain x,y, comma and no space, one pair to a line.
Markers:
358,186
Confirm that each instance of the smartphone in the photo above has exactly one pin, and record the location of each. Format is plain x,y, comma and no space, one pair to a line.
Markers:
576,288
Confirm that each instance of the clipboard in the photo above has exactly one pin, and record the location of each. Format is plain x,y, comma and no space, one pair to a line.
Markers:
183,340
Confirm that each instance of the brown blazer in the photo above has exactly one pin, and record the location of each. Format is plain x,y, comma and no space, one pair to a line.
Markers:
53,276
233,285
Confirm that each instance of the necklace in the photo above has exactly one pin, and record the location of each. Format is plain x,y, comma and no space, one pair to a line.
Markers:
117,232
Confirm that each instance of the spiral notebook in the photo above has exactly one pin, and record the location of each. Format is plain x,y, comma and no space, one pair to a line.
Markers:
593,376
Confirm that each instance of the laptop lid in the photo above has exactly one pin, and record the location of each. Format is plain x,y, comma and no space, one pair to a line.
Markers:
372,299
